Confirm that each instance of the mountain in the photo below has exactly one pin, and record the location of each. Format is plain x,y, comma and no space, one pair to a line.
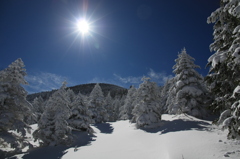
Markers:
85,89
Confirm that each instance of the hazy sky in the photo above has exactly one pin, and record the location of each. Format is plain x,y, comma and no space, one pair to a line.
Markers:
128,39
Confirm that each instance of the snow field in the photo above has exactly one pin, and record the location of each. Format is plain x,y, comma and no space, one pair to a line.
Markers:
128,142
178,137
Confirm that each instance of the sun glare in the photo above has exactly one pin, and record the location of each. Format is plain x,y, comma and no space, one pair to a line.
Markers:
83,26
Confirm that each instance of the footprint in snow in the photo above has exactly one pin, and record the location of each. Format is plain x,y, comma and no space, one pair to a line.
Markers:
226,155
229,153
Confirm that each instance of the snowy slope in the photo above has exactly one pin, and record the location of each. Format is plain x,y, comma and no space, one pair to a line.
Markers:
178,137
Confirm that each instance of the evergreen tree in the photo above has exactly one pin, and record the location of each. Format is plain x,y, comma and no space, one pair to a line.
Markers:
71,95
147,110
171,97
116,105
189,92
165,95
80,118
126,110
53,128
96,105
108,104
38,106
122,100
223,74
14,107
224,77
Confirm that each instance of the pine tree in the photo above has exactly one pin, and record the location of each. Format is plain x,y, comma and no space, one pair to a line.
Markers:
96,105
71,96
80,118
116,108
165,95
223,73
53,128
38,106
224,77
14,107
232,122
108,105
189,92
147,110
126,110
122,100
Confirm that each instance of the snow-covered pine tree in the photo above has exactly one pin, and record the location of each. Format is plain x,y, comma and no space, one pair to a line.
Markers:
122,100
171,97
234,126
80,118
230,118
108,105
96,105
53,128
222,73
126,110
116,107
189,90
224,77
71,95
14,107
38,106
165,95
147,110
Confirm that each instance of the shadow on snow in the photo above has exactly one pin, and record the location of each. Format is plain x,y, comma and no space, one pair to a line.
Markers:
178,125
105,128
56,152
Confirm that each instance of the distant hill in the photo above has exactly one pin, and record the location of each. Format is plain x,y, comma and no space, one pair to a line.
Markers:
85,89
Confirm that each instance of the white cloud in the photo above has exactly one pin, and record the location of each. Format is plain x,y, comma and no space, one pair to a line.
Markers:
44,81
108,81
159,78
98,80
129,79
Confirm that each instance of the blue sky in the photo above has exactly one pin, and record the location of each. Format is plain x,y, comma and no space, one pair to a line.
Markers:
128,39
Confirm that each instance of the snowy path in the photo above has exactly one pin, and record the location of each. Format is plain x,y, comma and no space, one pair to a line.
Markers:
193,139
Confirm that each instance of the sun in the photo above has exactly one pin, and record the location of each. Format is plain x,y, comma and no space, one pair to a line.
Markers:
83,26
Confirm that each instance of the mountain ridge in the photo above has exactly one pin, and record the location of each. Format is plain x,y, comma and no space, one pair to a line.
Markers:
85,89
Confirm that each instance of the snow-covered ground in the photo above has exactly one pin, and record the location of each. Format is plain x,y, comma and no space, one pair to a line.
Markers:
178,137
